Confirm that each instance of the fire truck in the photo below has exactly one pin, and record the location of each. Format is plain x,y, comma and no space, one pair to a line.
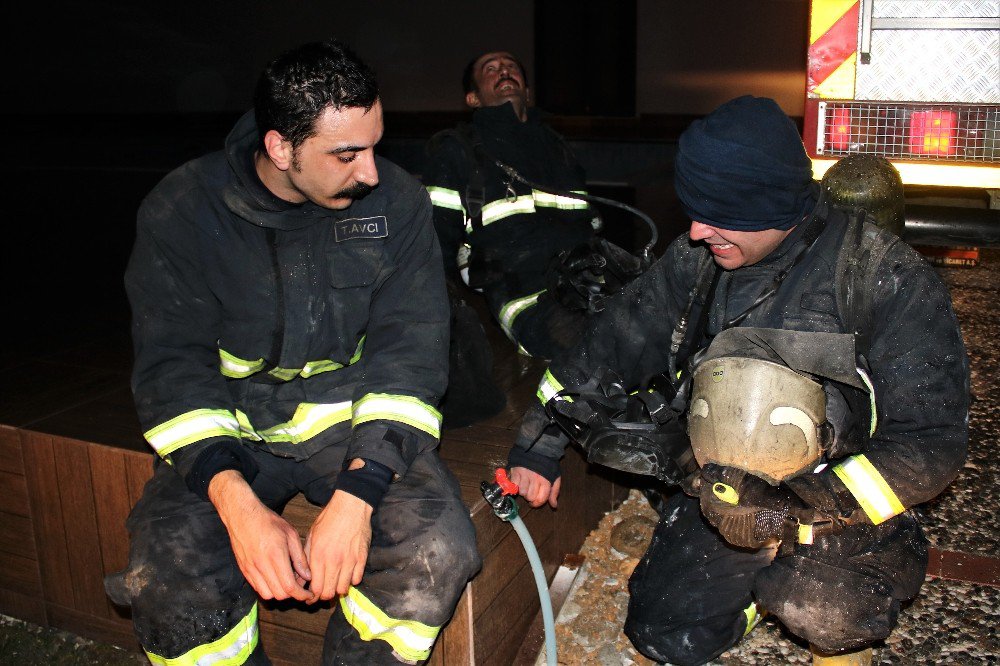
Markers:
916,82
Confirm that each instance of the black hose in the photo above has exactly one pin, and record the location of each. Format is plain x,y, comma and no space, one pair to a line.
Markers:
646,254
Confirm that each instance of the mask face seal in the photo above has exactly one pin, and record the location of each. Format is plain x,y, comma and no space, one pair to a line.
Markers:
758,416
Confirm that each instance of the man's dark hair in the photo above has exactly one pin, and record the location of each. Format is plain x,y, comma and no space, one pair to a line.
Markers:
469,75
297,86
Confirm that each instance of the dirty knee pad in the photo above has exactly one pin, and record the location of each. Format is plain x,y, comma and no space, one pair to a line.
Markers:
688,594
831,607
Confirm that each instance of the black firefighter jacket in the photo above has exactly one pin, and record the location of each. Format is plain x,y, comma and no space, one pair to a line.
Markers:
917,358
286,327
523,229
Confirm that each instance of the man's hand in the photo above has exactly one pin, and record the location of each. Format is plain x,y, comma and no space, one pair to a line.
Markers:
337,546
267,549
534,487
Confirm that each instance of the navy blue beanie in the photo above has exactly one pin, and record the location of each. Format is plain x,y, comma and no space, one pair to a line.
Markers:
743,167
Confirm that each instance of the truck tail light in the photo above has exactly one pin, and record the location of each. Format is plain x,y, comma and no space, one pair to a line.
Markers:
933,132
840,129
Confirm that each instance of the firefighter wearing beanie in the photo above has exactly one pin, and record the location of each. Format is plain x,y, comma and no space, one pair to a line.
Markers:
820,372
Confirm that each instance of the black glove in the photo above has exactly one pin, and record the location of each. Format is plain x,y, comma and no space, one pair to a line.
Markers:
576,278
748,511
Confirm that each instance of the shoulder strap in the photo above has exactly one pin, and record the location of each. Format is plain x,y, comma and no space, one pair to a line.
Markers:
861,252
475,190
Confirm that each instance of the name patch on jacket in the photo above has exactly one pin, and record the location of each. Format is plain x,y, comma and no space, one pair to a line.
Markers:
361,227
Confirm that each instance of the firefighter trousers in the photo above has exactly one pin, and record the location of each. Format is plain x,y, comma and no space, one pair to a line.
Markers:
191,602
693,596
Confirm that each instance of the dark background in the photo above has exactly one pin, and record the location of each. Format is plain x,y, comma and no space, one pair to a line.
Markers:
102,98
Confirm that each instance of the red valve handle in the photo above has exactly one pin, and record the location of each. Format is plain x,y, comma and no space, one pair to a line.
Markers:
506,485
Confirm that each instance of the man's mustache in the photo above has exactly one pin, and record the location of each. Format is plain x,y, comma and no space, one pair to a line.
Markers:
504,79
355,191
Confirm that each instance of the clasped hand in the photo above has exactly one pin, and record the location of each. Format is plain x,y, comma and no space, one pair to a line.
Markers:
270,553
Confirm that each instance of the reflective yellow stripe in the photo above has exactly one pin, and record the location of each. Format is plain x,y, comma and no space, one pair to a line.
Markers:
548,388
230,650
869,488
547,200
403,408
237,368
511,309
410,639
284,374
309,420
442,197
501,208
191,427
753,617
317,367
806,534
246,429
871,400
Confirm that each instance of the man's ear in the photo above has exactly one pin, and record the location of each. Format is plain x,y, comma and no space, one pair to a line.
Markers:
278,150
472,100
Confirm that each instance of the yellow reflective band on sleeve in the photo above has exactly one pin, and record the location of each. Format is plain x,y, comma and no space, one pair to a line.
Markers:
871,400
403,408
753,617
191,427
309,420
547,200
511,309
501,208
410,639
237,368
230,650
442,197
869,488
548,388
246,429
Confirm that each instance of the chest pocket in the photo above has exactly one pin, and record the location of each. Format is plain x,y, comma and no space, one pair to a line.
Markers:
819,303
355,263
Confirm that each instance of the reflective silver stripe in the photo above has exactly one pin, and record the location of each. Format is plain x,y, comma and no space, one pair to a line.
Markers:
548,388
548,200
501,208
237,368
442,197
309,420
871,400
403,408
191,427
230,650
511,309
869,488
410,639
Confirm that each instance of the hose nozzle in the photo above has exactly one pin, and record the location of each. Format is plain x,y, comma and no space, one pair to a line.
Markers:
500,494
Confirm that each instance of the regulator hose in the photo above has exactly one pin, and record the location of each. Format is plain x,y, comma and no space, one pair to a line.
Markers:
646,254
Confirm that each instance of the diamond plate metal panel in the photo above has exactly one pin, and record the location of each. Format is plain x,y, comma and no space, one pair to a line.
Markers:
935,9
932,65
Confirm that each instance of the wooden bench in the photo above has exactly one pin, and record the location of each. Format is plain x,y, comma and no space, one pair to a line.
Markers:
73,463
